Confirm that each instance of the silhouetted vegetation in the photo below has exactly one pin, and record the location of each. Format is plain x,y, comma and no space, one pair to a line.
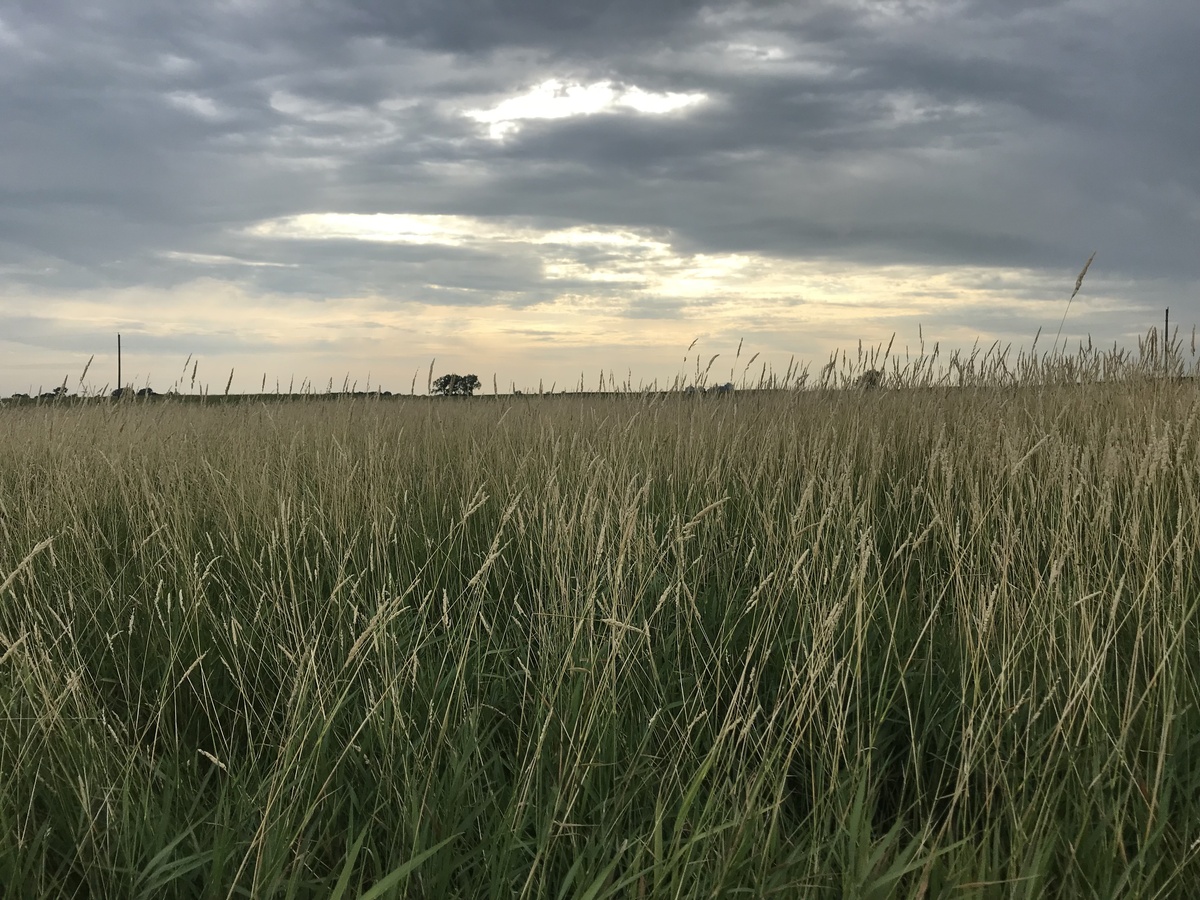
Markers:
870,379
456,385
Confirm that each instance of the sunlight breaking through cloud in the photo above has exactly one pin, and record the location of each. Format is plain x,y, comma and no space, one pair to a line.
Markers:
447,230
555,99
624,268
392,228
644,260
219,259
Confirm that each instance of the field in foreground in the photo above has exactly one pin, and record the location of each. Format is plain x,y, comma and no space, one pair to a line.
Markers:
828,644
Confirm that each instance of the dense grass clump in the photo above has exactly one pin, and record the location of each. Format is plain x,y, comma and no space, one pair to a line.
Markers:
891,643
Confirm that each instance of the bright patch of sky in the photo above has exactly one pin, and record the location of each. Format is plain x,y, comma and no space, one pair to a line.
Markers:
393,228
555,99
622,263
412,228
217,259
628,256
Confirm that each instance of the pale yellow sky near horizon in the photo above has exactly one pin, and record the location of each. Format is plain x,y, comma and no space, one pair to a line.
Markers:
776,308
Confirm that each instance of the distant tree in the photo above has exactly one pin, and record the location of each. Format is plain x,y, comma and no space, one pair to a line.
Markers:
870,379
456,385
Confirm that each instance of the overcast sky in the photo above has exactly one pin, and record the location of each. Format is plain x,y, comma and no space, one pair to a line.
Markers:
544,189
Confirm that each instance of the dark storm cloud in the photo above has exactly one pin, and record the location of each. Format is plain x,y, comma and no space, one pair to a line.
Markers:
564,27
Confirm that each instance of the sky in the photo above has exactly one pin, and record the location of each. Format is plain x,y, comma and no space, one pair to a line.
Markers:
364,192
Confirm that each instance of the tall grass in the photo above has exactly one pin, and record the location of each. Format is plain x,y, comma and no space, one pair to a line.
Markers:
808,643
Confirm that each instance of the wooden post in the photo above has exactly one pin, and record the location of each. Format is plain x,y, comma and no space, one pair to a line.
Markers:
118,363
1166,337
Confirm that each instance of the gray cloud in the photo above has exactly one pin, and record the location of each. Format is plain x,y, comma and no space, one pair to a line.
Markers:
564,28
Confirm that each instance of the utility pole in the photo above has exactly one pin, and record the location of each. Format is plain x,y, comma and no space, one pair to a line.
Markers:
1166,337
118,364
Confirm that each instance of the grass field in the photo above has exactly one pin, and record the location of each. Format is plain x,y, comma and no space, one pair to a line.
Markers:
807,643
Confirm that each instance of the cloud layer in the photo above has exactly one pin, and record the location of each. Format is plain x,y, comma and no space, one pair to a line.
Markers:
541,189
